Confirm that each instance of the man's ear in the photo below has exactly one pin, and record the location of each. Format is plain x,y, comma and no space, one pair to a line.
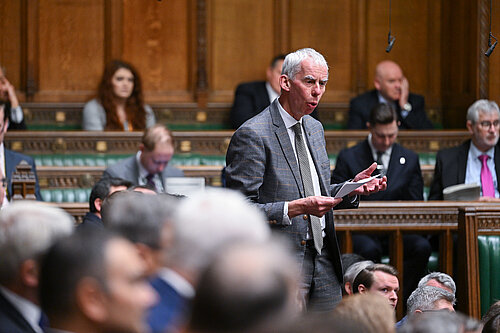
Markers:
91,300
362,289
98,204
469,125
141,147
418,311
29,273
284,82
376,83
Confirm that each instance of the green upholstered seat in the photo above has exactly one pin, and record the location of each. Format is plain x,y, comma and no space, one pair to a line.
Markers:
489,270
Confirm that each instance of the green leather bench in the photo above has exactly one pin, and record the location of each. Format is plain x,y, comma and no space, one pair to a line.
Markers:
489,270
66,195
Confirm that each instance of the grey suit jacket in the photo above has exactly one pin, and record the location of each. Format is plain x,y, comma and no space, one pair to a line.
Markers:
129,170
261,164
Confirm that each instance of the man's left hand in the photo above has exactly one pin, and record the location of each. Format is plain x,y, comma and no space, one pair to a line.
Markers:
405,92
373,186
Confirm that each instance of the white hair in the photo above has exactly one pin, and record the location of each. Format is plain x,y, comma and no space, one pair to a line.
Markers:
424,298
440,277
293,61
352,271
209,220
27,230
481,105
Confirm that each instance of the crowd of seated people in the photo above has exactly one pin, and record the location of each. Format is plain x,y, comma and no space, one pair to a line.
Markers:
143,260
205,263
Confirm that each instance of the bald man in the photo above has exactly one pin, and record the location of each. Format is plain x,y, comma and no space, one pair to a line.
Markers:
391,87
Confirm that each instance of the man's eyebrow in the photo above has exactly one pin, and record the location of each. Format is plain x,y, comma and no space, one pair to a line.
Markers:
309,77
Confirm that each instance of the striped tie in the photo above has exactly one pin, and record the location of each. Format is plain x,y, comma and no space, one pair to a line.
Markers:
305,173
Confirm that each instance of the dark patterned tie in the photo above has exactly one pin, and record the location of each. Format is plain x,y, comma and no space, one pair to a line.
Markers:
305,173
150,182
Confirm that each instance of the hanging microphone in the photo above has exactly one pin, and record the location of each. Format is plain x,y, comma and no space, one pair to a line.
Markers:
492,47
390,42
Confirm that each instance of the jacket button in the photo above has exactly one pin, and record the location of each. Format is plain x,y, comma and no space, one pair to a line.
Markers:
305,217
302,242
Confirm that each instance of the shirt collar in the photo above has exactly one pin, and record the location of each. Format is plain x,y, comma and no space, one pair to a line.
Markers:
178,282
142,171
270,91
381,99
287,118
388,152
30,311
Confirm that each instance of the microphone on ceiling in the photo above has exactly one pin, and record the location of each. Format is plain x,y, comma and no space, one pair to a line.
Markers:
490,36
390,39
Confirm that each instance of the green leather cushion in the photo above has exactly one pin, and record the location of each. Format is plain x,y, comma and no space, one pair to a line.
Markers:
489,270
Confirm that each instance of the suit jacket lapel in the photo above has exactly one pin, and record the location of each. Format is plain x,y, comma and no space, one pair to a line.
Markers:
462,161
285,145
497,165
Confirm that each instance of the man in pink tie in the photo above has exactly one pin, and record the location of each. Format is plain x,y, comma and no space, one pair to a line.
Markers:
475,161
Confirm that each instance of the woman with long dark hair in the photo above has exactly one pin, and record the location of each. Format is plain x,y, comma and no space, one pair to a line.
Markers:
119,104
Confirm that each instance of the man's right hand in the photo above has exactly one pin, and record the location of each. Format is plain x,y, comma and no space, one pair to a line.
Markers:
314,205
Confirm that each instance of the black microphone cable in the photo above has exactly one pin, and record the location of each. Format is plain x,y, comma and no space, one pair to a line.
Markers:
390,39
490,36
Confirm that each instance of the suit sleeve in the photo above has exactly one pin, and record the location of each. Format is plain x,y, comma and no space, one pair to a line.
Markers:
436,191
341,173
94,116
417,118
416,184
356,119
243,107
245,170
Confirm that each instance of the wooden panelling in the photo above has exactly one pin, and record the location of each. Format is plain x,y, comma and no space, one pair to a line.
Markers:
325,26
414,26
156,39
197,51
494,59
241,43
70,36
10,40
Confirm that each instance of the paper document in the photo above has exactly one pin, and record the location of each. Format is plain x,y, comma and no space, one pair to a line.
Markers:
348,187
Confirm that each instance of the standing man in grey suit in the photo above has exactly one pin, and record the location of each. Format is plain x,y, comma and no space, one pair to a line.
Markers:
150,165
278,160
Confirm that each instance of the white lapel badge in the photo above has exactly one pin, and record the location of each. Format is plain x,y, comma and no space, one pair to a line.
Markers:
402,160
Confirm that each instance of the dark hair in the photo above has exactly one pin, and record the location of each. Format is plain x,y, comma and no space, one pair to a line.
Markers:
136,114
382,114
365,277
350,258
101,189
6,109
66,262
277,58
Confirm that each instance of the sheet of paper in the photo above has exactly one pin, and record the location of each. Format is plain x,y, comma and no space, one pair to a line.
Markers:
348,187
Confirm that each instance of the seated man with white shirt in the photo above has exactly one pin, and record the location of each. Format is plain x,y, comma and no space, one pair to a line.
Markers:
476,160
27,230
392,88
150,165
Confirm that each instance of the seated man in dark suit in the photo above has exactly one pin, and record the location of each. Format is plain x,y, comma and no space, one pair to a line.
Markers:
27,229
392,88
94,281
10,158
253,97
464,164
101,190
150,165
404,182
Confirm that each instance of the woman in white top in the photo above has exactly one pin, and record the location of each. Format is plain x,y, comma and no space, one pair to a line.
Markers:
119,104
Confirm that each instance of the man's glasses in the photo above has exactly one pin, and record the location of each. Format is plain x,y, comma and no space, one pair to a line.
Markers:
487,124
